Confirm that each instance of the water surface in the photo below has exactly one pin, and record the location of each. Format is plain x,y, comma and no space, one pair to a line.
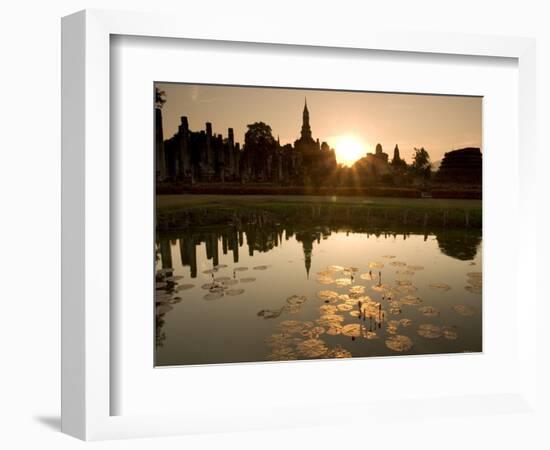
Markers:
229,294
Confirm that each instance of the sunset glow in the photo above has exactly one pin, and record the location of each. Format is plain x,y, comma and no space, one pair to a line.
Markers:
349,149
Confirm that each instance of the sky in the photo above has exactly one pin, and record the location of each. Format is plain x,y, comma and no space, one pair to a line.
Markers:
351,122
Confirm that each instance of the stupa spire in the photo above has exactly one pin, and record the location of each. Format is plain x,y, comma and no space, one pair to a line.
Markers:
306,128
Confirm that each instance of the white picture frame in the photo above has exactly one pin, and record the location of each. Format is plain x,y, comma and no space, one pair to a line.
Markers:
87,386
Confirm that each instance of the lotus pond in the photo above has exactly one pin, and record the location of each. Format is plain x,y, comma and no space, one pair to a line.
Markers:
269,290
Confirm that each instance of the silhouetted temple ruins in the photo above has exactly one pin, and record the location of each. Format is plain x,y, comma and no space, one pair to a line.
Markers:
258,240
317,159
377,162
203,156
461,166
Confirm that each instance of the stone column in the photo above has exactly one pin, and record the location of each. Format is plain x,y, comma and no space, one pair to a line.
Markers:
209,158
184,150
230,153
160,157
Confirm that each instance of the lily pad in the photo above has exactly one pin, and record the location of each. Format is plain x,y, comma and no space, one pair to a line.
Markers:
352,330
334,329
345,298
240,269
278,357
338,352
280,340
373,310
391,326
342,282
330,319
429,311
324,273
234,291
357,289
473,289
415,268
410,300
247,280
464,310
478,282
269,313
282,354
406,289
209,271
450,333
213,295
290,326
327,295
264,267
399,343
325,280
370,335
376,265
335,268
429,331
398,264
405,322
381,288
293,309
366,276
328,309
404,272
184,287
345,307
173,278
395,311
230,282
312,348
440,286
313,332
220,279
389,256
353,302
296,299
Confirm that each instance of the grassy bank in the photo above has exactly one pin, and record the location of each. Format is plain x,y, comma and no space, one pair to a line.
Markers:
437,191
180,211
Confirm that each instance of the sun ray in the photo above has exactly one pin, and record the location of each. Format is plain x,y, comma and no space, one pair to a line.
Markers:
349,149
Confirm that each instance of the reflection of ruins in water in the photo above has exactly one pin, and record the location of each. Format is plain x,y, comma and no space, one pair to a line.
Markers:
459,244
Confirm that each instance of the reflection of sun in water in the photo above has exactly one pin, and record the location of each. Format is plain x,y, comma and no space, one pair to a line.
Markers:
348,149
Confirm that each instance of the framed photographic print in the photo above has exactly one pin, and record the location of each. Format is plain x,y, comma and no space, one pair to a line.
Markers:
295,248
322,212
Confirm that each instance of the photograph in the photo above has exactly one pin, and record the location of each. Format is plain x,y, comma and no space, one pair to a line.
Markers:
307,224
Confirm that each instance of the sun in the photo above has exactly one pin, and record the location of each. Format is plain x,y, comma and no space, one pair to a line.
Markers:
348,149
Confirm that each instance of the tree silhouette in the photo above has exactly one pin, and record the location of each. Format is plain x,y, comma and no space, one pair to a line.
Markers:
259,136
421,164
259,149
160,98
